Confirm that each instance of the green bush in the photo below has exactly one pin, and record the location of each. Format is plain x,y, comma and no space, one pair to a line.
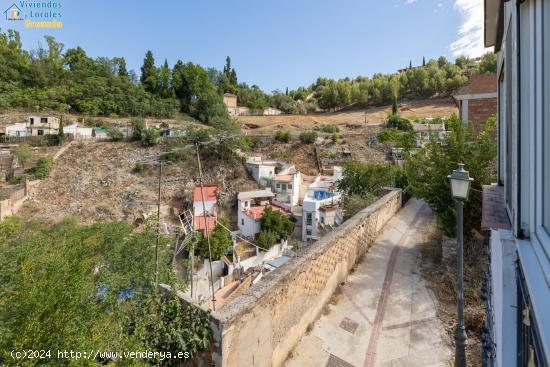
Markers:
150,137
428,169
335,137
43,167
330,129
278,224
115,134
139,167
138,128
282,136
366,179
400,123
266,239
308,137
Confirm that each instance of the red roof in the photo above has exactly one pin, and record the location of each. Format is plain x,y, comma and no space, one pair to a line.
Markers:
256,212
210,192
199,223
479,84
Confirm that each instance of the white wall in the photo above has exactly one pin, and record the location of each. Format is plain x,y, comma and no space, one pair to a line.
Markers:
247,226
198,208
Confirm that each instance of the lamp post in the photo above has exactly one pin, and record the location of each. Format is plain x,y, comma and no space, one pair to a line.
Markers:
460,187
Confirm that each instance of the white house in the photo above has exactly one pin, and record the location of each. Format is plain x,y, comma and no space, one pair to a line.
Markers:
261,170
321,205
17,129
205,214
286,186
42,125
426,131
516,209
250,208
79,132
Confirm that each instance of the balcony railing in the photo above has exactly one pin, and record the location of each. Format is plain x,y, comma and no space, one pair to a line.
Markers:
487,330
530,351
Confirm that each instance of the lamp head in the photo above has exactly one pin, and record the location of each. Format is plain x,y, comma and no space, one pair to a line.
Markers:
460,182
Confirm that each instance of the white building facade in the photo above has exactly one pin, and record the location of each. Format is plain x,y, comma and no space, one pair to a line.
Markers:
518,289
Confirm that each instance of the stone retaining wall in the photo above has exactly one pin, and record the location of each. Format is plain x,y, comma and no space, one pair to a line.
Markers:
262,325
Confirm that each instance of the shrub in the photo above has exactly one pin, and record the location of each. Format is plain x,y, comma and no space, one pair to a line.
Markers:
330,129
308,137
427,172
150,137
115,134
43,167
138,128
400,123
335,137
266,239
366,179
282,136
139,167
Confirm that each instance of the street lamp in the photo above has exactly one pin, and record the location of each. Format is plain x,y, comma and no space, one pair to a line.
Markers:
460,187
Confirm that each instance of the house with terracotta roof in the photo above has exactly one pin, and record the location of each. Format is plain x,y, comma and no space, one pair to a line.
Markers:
205,214
250,208
477,100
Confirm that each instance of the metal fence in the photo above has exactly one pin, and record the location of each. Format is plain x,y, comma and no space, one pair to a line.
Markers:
530,350
487,330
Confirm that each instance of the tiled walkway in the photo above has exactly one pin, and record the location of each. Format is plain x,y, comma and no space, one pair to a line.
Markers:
385,314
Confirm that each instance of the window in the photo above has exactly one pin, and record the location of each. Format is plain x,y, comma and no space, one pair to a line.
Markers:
242,221
278,186
289,186
32,121
40,132
308,232
309,219
43,120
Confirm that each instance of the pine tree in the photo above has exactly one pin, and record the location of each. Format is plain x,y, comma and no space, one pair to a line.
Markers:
410,64
423,61
286,92
149,73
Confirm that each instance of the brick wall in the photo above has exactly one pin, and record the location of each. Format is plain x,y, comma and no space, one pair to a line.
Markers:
479,110
261,326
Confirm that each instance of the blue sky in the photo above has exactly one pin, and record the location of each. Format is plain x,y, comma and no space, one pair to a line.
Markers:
272,43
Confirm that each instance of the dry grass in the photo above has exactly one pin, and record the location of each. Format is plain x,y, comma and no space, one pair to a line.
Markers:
441,277
347,120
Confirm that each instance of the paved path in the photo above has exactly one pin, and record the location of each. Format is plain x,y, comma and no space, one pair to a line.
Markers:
385,314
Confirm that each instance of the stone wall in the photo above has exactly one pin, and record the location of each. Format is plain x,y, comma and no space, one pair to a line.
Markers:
262,325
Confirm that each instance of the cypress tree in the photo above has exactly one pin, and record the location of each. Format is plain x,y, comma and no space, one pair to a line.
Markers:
149,73
423,61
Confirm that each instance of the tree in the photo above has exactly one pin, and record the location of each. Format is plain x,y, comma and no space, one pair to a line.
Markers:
428,169
220,241
365,179
165,87
423,61
149,73
23,154
278,224
63,286
488,63
308,137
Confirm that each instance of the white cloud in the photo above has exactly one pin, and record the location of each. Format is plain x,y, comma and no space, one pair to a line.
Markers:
470,32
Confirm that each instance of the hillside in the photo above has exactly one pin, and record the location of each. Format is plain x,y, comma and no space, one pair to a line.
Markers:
348,121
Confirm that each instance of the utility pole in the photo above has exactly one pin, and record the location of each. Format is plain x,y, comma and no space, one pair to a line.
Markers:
206,227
